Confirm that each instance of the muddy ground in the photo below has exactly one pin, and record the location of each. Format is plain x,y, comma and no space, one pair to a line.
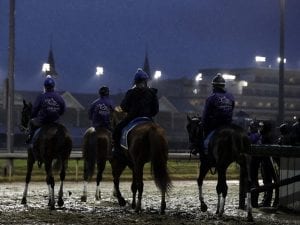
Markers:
182,206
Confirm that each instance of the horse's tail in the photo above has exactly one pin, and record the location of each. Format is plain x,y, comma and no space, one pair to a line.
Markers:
89,153
159,158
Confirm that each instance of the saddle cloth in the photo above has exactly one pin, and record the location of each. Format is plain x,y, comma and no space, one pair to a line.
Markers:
132,124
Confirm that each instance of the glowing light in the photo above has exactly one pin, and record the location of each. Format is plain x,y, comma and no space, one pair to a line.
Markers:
279,60
260,59
228,76
46,67
157,74
243,83
198,77
99,70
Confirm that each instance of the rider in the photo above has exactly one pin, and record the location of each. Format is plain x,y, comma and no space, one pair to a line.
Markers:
47,108
139,101
100,109
253,133
218,109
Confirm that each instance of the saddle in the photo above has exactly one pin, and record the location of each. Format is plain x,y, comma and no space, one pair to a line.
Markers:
132,124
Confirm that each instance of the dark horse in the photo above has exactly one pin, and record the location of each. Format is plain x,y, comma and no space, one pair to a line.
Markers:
227,145
53,142
146,142
97,145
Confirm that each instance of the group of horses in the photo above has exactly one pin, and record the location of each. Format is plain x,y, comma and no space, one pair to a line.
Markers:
146,143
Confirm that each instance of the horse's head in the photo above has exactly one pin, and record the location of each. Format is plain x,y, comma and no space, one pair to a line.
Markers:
284,129
26,114
195,131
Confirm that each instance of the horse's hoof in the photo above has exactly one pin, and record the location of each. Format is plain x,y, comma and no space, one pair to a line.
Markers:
97,197
60,202
133,205
138,209
83,198
162,208
250,218
219,213
52,207
121,201
24,201
203,207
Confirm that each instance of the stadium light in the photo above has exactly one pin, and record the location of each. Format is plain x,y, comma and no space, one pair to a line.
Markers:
99,70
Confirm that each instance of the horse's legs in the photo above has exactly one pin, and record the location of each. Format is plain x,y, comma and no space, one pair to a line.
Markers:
85,178
62,178
222,189
117,169
134,191
204,167
137,185
100,168
50,183
30,162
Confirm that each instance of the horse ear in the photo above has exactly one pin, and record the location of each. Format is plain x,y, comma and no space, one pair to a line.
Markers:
24,102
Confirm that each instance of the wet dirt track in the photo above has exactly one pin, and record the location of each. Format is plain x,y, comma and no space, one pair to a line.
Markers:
182,206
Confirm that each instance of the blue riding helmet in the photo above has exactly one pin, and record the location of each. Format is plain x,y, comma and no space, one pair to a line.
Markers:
49,82
218,81
140,76
104,91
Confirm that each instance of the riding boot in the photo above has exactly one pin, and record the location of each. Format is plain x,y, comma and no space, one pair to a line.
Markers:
30,136
31,132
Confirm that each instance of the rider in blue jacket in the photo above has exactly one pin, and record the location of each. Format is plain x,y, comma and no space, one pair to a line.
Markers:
100,109
47,108
218,109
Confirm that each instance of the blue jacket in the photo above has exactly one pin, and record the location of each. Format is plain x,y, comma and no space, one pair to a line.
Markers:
48,107
99,112
255,138
218,110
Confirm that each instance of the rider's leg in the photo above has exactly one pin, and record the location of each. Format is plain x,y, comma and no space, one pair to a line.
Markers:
34,124
117,136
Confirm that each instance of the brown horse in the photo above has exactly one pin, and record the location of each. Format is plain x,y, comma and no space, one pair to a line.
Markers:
228,144
146,143
53,142
97,145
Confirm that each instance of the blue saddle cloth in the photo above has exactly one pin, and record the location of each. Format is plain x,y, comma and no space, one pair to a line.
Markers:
132,124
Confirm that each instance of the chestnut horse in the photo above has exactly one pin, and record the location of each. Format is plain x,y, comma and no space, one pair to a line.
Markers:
53,142
146,143
97,145
227,145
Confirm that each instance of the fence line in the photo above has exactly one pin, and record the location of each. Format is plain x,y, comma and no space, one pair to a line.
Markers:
76,154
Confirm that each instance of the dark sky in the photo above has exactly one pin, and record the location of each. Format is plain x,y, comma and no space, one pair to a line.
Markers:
182,36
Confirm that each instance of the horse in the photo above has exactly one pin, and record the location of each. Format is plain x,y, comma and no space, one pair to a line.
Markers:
97,146
53,142
146,143
228,144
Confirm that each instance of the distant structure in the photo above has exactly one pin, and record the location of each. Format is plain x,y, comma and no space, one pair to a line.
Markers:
146,66
51,71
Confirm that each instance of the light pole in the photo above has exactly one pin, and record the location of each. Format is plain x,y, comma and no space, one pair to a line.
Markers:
280,118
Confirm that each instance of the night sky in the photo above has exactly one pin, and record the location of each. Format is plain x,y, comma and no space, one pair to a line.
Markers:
181,36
